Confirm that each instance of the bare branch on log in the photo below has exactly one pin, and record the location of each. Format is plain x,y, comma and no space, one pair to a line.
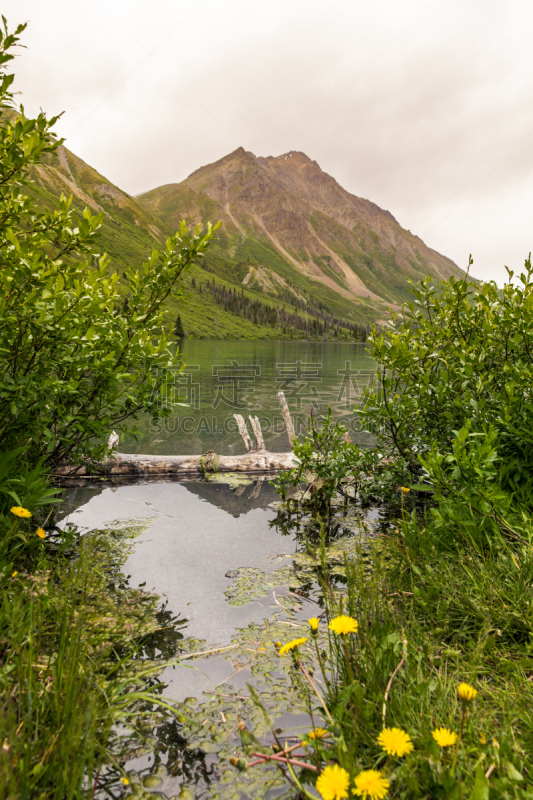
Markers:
241,424
258,433
291,433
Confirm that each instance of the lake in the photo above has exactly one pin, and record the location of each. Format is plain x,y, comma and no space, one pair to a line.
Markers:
222,378
222,556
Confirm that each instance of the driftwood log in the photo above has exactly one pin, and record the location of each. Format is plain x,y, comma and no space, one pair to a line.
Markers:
255,460
133,464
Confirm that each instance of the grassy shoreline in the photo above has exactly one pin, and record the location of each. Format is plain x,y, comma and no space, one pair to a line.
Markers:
70,632
421,628
447,602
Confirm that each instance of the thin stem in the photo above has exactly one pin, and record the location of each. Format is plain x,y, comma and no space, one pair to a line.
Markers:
322,667
314,687
387,690
452,770
348,661
265,757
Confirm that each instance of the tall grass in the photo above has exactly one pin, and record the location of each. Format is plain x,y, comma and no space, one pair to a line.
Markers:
70,631
430,617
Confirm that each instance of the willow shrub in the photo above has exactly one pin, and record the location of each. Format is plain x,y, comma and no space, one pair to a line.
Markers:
453,409
72,364
461,352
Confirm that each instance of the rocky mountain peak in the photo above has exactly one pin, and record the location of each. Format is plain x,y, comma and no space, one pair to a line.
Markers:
297,220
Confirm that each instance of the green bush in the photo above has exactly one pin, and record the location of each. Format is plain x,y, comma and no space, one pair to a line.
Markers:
72,364
459,354
326,461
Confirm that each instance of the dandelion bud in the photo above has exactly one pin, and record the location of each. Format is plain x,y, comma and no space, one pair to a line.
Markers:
240,763
313,624
466,692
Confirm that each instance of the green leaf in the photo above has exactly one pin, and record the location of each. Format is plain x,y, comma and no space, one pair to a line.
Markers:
481,786
513,772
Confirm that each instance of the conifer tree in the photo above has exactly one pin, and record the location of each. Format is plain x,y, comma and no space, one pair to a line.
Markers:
179,329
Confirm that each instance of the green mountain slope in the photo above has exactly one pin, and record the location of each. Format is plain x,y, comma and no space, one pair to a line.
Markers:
288,226
130,232
285,263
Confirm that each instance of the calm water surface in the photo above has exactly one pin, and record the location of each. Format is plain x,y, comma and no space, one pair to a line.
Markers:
221,556
222,378
217,554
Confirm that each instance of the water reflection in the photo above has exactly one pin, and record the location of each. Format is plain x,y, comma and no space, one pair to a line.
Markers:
235,576
236,495
222,378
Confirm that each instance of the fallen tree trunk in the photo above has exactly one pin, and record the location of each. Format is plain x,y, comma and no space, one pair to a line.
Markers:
256,460
133,464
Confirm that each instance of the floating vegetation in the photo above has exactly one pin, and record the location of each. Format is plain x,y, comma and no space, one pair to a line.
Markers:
198,744
334,556
209,462
252,583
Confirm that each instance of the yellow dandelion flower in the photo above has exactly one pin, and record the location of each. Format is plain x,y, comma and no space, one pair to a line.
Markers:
405,489
371,784
125,781
343,625
20,512
318,733
292,645
444,737
483,739
333,783
395,742
314,622
466,692
40,533
14,574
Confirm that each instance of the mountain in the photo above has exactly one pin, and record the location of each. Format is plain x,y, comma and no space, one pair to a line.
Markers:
290,228
129,231
128,235
297,255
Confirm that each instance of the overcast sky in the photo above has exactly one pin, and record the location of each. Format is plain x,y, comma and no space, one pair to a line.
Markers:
423,107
